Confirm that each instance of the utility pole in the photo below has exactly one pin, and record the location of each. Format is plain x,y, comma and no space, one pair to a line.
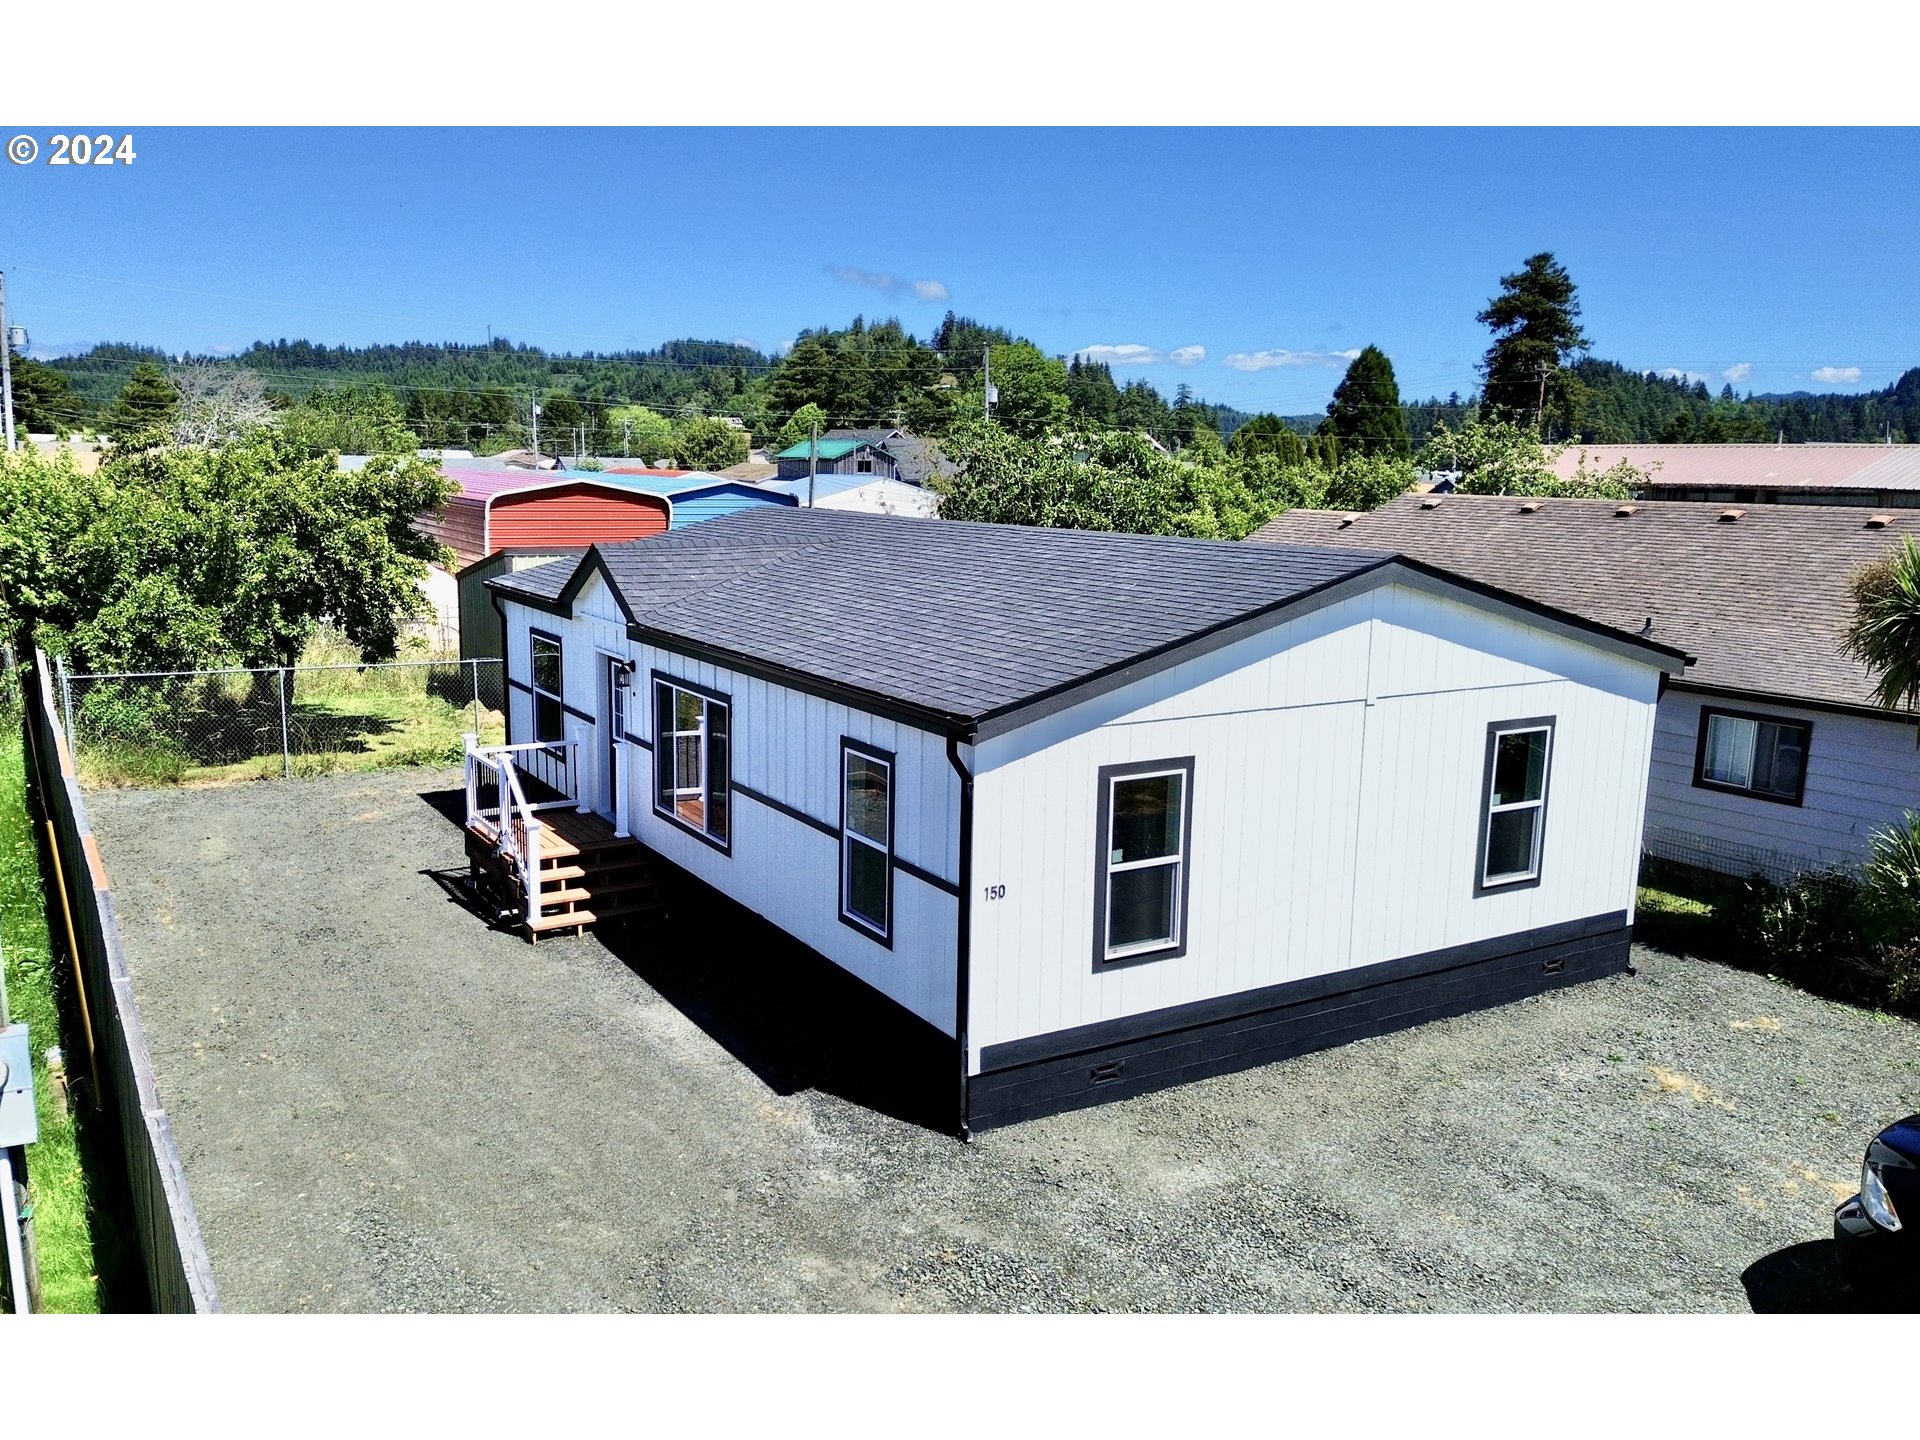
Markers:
6,364
626,445
986,386
1540,410
813,461
536,428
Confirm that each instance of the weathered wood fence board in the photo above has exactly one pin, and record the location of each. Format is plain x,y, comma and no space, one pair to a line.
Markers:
179,1274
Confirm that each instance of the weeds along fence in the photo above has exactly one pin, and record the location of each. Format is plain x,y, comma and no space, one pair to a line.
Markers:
1728,857
179,1275
166,727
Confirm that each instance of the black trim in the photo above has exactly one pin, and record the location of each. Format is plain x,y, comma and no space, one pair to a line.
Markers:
506,666
848,745
593,720
963,938
926,877
1700,780
1863,709
1103,962
1044,1074
1495,728
520,685
787,810
633,739
657,678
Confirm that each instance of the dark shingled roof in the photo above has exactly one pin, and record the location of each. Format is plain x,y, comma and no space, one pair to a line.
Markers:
962,620
1761,600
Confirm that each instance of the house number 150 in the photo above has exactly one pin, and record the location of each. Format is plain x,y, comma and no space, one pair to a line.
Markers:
996,892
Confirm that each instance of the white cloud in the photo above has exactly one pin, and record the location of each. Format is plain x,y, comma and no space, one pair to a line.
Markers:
1122,354
929,290
1289,359
1837,374
1692,377
1734,374
1188,355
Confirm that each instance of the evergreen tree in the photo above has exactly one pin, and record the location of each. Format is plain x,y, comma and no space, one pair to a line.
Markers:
1268,435
1364,414
148,402
1535,323
43,400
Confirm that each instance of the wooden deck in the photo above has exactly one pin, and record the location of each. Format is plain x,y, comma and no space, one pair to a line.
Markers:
588,875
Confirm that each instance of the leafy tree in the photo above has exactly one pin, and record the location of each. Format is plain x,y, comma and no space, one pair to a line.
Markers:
1364,414
807,421
1140,408
561,417
1535,324
185,556
1030,389
355,419
639,433
217,403
1268,435
709,443
43,400
1497,457
1365,481
148,403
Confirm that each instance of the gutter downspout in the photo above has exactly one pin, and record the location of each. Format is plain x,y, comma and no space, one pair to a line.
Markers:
963,938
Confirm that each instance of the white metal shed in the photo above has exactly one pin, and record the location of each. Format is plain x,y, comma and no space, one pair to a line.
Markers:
1108,812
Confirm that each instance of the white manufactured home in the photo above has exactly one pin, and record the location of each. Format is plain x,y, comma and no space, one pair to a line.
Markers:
1105,812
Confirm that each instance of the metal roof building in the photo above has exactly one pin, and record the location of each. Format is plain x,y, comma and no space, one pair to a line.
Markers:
1813,474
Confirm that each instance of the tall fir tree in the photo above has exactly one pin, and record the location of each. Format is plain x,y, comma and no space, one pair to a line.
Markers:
1364,414
1535,321
149,401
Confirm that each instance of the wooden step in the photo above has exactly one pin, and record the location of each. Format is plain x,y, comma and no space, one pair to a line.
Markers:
565,920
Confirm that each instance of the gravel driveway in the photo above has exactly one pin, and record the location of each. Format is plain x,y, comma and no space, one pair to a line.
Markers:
383,1105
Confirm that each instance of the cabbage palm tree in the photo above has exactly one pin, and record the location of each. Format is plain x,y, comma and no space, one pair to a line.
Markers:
1885,630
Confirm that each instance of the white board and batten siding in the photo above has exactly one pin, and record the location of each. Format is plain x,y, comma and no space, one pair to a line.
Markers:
1338,768
785,745
1863,773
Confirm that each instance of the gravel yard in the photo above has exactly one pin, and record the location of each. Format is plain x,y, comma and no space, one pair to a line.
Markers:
383,1105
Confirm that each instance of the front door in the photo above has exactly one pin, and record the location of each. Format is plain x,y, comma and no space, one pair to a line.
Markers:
613,726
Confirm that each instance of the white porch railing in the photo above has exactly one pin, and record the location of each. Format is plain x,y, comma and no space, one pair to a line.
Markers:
511,817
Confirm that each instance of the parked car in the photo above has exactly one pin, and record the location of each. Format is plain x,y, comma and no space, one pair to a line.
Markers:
1878,1230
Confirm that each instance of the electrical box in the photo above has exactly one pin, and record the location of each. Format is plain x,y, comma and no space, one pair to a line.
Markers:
19,1124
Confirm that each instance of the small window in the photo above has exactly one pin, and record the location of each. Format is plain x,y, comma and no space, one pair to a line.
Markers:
691,759
1513,810
1762,755
1140,872
549,709
866,839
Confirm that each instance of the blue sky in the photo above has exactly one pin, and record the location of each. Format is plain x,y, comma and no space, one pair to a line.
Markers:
1242,262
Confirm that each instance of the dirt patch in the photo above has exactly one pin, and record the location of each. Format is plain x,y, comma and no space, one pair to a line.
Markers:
385,1106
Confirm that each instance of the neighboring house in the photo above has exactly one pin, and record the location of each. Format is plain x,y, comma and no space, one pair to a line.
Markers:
1105,812
834,457
859,492
916,461
532,517
1881,476
1770,754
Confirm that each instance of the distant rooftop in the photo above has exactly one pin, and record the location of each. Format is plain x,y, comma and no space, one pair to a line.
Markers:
1758,467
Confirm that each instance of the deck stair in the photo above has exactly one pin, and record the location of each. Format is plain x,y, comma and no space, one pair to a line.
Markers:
550,867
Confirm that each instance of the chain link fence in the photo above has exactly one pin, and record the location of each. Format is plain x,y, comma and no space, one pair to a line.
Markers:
188,726
1728,857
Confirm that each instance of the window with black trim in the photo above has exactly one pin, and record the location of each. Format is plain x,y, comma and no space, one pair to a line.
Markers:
1141,865
1760,755
1513,803
866,839
549,706
691,776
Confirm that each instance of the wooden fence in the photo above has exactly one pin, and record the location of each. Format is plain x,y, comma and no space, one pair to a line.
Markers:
179,1275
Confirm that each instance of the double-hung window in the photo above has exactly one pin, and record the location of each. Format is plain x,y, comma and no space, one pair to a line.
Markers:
1140,869
691,776
866,840
1513,804
1762,755
549,709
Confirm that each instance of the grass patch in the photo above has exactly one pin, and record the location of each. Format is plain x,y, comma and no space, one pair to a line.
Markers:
58,1188
222,729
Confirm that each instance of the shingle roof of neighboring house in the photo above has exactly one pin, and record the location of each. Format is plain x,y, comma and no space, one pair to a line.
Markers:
1758,467
1761,600
964,623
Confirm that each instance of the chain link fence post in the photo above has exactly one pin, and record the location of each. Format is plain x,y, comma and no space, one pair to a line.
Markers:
286,747
66,703
473,674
